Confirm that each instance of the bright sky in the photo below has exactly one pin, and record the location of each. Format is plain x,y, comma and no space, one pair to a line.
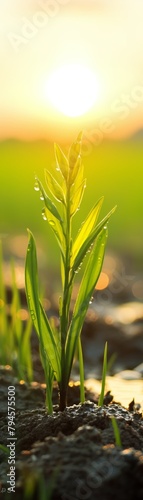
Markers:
68,65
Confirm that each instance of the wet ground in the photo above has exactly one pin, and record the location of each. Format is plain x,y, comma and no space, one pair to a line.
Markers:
74,453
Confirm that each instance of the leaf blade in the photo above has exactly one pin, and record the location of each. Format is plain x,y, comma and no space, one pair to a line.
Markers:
89,280
48,203
89,241
104,373
38,316
77,198
87,227
54,187
62,161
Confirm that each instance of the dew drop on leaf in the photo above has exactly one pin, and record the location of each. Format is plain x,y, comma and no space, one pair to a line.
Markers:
33,317
41,196
51,222
91,300
36,186
43,214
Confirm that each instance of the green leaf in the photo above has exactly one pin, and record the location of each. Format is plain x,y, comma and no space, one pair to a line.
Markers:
31,283
89,280
48,203
57,228
26,351
75,170
38,316
15,306
51,347
78,180
116,432
77,198
4,449
54,219
54,187
89,241
75,151
81,370
86,228
62,162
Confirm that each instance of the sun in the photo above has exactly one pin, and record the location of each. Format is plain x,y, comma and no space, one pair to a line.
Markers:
72,89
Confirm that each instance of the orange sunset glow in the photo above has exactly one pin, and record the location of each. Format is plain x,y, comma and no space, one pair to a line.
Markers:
68,65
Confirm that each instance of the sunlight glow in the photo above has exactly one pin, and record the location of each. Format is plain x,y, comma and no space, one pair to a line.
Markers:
72,89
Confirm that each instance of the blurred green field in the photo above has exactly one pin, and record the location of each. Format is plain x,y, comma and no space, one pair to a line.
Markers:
114,170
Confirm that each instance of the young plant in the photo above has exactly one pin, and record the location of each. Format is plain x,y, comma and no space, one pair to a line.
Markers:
104,373
15,348
116,431
58,347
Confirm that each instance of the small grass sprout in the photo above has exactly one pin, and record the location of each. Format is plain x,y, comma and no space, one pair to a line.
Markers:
15,335
104,373
116,432
58,347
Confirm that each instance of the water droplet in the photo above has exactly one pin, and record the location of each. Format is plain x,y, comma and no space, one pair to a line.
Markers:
41,196
105,227
51,222
43,214
36,186
91,300
33,317
58,169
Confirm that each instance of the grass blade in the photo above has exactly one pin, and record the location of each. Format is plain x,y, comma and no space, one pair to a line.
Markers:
86,228
62,162
50,345
54,187
48,203
104,373
90,277
81,371
75,151
116,432
77,198
89,241
26,351
37,312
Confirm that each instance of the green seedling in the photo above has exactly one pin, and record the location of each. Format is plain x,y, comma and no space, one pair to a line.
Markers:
116,432
15,349
101,398
4,449
58,347
104,373
35,483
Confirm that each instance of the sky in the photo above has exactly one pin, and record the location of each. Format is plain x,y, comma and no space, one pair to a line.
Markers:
68,65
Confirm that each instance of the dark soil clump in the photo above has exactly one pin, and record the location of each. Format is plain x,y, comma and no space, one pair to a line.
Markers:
72,454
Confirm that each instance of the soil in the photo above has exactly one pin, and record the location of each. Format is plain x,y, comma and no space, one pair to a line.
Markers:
73,455
70,455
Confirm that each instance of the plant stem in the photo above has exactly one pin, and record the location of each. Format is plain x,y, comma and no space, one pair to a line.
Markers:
65,305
